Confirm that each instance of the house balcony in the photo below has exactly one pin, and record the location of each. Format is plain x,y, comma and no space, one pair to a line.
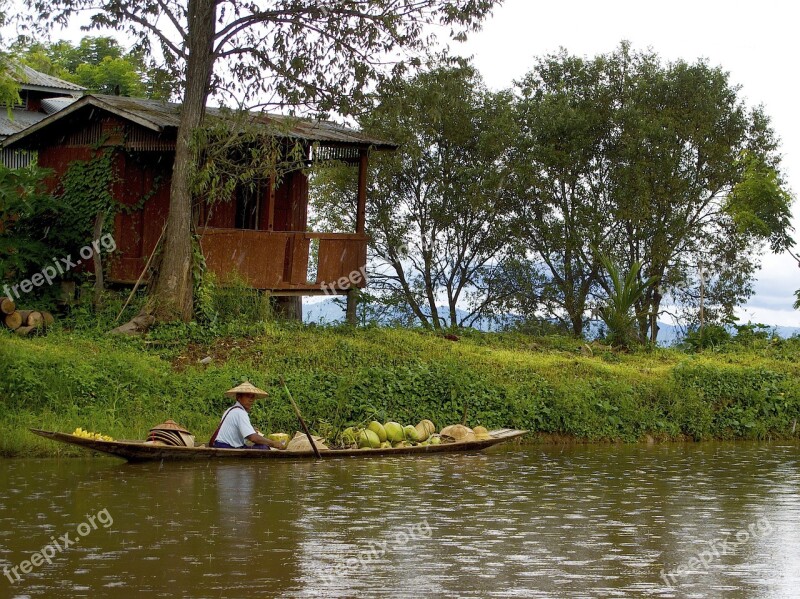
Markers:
278,261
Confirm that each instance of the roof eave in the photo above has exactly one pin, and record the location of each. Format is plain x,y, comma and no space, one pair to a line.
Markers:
46,88
74,107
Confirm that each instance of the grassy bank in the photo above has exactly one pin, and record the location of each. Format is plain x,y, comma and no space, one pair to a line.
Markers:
551,385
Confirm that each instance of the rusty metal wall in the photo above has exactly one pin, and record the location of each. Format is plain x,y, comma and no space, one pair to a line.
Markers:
279,260
137,231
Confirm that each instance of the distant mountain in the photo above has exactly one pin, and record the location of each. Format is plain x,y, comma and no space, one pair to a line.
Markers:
329,311
326,311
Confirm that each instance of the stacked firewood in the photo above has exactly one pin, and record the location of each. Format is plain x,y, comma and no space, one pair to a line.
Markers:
23,322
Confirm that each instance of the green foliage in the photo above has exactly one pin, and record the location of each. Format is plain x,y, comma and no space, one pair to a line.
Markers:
9,88
324,57
78,376
235,301
27,215
624,293
100,65
650,161
84,191
738,402
707,336
238,153
41,227
761,205
438,212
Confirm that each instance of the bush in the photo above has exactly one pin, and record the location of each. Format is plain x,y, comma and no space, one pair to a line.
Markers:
341,376
704,337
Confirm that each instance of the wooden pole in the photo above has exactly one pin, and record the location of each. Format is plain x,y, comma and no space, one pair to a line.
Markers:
302,422
361,199
271,205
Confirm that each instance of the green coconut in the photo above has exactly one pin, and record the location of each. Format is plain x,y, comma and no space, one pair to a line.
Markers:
435,440
385,445
411,433
279,438
481,433
377,428
349,436
368,438
429,425
394,432
422,431
400,444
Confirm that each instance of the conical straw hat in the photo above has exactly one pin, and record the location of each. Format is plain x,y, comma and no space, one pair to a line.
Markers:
246,387
169,425
166,437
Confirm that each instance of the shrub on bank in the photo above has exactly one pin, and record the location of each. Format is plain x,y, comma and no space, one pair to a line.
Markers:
340,376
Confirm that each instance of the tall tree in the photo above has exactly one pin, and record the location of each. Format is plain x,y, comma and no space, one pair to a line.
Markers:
322,55
9,88
653,163
439,209
99,64
564,110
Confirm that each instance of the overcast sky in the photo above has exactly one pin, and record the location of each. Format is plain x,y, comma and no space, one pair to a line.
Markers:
757,43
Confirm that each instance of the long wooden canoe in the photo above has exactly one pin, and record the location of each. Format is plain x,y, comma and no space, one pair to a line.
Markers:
139,451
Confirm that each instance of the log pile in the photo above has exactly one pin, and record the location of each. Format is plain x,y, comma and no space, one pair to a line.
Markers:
23,322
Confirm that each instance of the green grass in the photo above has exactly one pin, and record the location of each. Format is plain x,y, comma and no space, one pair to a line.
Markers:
79,376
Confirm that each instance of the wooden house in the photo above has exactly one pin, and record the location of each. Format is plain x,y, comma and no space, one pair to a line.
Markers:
40,95
262,236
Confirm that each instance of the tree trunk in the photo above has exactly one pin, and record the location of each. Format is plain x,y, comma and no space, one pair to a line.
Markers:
577,325
289,308
352,302
31,318
172,296
7,305
13,321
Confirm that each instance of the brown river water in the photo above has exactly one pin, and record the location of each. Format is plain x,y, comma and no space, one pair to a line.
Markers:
674,520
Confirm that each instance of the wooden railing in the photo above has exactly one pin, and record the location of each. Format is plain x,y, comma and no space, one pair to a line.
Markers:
278,260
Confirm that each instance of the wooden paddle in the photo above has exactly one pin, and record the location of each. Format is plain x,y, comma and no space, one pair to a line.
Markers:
302,422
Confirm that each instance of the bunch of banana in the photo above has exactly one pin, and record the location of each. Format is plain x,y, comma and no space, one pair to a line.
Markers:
79,432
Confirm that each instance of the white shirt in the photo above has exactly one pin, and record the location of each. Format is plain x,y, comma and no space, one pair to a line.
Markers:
236,426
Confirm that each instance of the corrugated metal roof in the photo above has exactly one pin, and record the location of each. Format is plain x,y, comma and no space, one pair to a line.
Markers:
32,77
159,116
51,105
19,121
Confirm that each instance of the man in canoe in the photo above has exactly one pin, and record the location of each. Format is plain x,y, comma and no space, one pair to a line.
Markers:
235,425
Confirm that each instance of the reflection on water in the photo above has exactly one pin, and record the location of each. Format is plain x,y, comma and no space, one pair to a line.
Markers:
596,521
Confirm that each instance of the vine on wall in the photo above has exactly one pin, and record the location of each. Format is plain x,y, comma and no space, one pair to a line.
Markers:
43,227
